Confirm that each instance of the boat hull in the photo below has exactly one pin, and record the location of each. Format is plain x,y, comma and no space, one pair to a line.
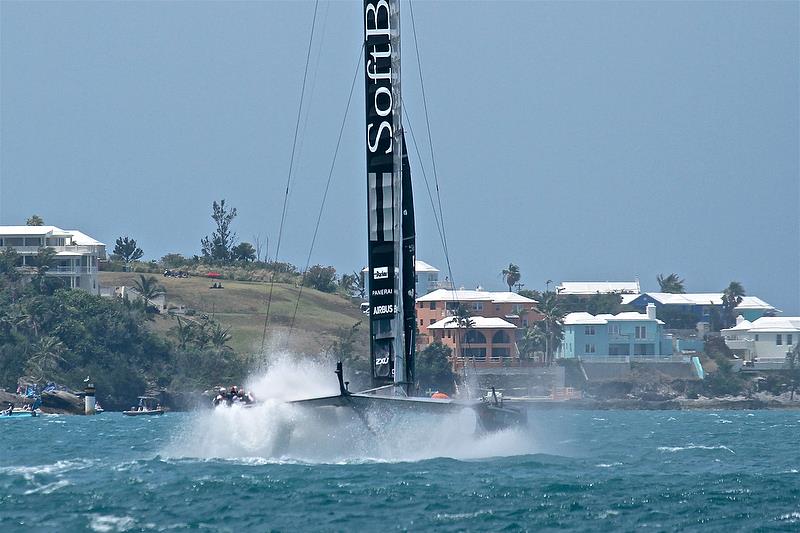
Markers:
20,414
490,416
154,412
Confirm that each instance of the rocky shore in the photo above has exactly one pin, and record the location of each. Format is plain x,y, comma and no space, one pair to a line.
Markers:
53,402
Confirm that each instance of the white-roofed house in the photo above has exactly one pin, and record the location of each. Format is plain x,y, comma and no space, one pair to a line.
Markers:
77,254
764,341
496,317
488,341
589,288
630,336
699,307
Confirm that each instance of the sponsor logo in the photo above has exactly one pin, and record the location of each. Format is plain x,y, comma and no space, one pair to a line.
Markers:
382,292
382,361
378,47
380,273
383,309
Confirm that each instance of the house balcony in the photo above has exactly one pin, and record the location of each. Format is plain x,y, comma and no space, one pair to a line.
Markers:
71,271
73,249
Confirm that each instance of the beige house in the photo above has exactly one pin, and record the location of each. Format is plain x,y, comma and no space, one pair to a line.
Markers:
77,254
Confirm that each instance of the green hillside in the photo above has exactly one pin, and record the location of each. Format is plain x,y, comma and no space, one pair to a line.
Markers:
242,306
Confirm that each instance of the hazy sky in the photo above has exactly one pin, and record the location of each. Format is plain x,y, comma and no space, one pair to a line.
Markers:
580,140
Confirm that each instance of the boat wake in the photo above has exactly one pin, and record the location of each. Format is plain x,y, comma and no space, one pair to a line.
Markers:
275,431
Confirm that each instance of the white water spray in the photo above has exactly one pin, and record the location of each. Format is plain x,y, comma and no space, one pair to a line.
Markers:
275,431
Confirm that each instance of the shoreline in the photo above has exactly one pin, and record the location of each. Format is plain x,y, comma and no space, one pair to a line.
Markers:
587,404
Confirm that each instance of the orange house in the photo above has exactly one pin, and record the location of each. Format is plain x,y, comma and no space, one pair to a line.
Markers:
495,319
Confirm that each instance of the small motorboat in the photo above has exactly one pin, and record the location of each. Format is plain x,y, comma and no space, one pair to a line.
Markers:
148,406
17,412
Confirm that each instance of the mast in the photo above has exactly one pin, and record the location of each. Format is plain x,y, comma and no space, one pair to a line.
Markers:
389,353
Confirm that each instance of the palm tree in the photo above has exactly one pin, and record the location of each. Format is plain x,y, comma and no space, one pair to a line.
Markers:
671,284
184,333
220,336
511,275
731,298
553,322
532,338
148,288
464,323
45,357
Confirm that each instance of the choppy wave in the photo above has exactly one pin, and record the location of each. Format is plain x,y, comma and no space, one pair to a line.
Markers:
673,449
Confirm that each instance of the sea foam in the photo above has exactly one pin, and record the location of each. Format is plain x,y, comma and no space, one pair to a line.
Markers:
276,431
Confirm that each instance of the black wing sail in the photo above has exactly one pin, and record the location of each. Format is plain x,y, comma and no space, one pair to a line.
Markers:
409,272
384,186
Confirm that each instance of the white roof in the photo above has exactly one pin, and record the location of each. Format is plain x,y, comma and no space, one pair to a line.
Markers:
707,298
31,230
419,266
598,287
583,318
422,266
78,237
477,322
464,295
775,323
82,239
753,302
744,325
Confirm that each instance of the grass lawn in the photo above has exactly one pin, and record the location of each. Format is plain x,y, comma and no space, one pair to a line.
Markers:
242,306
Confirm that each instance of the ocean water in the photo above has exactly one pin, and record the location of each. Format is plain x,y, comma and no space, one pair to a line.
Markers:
281,468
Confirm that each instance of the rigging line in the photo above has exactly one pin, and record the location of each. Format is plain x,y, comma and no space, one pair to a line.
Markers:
430,139
424,175
312,88
289,176
327,187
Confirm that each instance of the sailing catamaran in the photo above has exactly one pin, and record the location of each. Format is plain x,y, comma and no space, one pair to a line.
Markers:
391,243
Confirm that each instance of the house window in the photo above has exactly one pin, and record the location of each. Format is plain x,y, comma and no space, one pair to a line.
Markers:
641,332
589,330
433,305
478,306
589,348
497,308
477,353
501,352
613,329
619,349
475,337
778,339
432,320
644,349
421,322
501,337
789,339
756,336
421,305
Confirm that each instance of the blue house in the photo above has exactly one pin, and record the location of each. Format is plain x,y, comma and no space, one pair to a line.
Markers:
698,305
638,336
